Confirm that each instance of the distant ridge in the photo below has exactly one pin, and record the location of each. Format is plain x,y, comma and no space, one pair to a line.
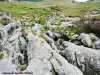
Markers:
45,0
97,0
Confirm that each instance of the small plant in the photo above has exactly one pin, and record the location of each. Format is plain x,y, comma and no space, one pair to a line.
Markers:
46,28
42,36
1,56
8,53
21,67
41,21
4,21
34,32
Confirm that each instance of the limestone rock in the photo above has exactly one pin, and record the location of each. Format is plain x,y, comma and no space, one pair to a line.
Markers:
97,44
85,39
86,59
67,24
62,67
93,37
29,53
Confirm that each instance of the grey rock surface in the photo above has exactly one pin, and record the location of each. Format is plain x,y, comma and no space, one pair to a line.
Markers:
30,53
23,51
40,53
97,44
93,37
85,39
87,59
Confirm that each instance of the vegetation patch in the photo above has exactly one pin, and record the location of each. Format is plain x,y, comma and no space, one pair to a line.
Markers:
34,32
4,21
41,35
8,53
41,20
1,56
21,67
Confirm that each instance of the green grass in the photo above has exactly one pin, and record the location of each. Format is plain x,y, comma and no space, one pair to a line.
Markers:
17,8
79,9
67,7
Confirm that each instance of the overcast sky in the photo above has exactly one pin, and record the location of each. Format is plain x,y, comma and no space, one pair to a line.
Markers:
81,0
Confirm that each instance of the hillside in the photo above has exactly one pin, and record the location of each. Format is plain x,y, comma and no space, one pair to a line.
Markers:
58,1
66,7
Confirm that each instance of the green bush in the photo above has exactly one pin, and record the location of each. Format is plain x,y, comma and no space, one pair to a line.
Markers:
92,26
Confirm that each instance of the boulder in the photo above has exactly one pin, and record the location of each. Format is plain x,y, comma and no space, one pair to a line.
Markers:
5,18
97,44
62,67
76,19
43,60
5,14
27,24
67,24
93,37
74,39
52,35
58,35
48,39
86,59
85,39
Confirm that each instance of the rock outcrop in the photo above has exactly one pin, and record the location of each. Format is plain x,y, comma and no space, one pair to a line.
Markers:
85,39
97,44
43,60
66,53
86,59
30,53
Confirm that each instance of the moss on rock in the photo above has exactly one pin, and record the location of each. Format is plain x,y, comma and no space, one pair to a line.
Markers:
4,21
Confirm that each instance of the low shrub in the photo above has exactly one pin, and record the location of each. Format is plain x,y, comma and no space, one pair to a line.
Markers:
91,26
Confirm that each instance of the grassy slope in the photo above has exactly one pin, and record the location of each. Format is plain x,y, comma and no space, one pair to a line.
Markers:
67,7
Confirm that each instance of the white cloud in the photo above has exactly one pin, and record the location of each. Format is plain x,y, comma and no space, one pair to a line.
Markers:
81,0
